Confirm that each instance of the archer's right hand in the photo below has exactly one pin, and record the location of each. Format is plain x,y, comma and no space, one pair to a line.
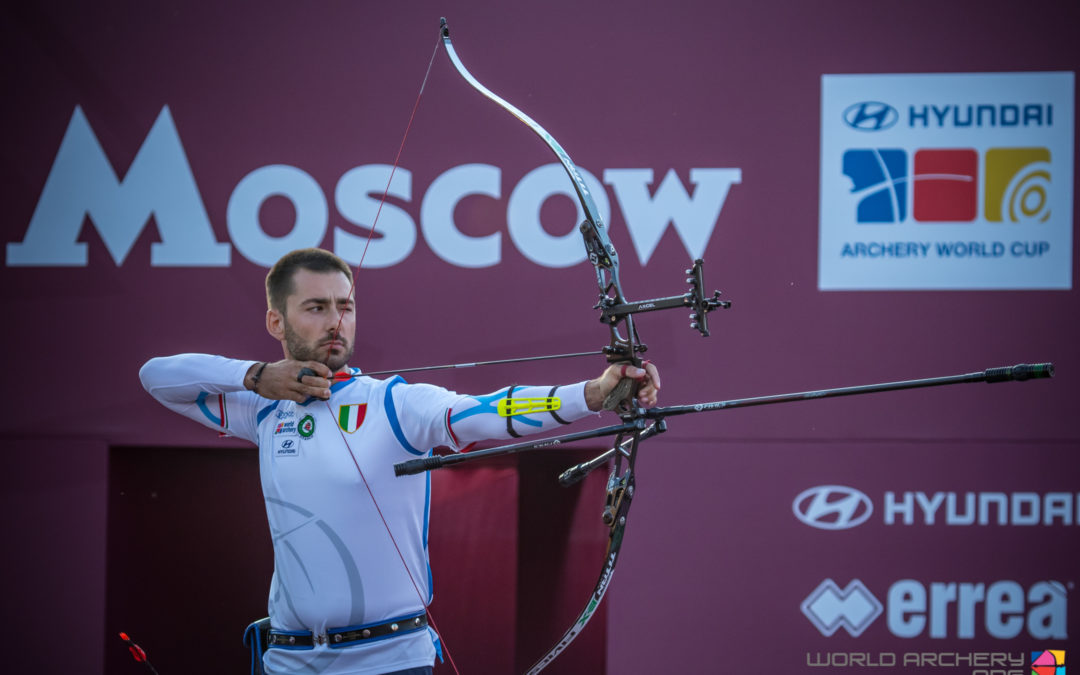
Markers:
281,381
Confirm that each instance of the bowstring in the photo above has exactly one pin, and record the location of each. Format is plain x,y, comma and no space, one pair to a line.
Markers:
337,331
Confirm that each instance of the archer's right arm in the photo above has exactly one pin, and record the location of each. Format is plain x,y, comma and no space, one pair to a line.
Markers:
211,390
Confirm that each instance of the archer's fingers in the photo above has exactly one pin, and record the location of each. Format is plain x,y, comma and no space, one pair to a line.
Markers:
320,369
653,373
649,390
303,392
618,371
312,386
648,374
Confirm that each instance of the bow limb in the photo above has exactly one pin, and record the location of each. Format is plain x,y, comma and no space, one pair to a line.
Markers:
592,214
624,346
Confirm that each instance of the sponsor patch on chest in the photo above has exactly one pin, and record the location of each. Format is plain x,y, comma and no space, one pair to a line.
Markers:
287,445
351,416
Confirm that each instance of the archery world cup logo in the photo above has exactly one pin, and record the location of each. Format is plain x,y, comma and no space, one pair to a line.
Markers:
942,185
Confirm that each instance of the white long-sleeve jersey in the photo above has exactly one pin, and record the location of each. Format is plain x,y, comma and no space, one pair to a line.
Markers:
335,564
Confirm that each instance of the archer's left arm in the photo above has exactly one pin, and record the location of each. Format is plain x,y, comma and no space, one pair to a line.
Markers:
432,416
513,411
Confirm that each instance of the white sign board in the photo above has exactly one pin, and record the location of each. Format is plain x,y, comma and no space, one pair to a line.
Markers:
946,181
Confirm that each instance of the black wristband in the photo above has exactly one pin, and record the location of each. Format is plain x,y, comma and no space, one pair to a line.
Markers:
258,374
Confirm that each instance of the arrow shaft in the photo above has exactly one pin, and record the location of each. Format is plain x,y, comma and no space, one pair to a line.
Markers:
449,366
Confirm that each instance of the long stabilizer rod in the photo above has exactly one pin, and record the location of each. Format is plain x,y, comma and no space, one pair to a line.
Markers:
1017,373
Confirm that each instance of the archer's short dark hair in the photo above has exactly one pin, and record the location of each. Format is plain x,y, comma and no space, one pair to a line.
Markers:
279,281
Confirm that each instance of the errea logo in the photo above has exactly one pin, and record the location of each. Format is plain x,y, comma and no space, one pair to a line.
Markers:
829,607
832,507
1000,609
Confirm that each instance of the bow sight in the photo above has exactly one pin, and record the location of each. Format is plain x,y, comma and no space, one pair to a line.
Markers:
611,311
603,257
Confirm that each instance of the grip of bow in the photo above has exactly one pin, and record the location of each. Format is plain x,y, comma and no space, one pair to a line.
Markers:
621,397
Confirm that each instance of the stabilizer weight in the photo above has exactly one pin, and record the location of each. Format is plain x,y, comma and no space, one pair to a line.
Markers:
417,466
1019,372
573,474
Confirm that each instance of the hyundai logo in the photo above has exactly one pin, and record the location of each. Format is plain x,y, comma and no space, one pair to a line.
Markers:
871,116
832,507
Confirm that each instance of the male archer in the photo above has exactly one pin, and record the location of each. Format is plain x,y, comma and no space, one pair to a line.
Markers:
351,579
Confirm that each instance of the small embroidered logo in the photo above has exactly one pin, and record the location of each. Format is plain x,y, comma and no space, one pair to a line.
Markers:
307,426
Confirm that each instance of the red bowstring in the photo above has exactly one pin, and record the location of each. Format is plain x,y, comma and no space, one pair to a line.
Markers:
337,331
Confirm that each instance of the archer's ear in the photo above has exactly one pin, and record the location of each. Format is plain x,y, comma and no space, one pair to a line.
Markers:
275,324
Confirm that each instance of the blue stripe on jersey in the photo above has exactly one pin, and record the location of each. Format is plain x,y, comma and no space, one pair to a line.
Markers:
427,521
264,412
395,426
391,416
430,585
427,509
201,401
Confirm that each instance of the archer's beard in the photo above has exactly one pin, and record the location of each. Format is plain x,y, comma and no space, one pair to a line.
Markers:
300,350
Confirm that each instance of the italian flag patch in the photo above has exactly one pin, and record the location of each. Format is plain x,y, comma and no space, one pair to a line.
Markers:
351,416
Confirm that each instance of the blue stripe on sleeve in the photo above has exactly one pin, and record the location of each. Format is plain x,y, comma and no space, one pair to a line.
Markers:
488,404
201,402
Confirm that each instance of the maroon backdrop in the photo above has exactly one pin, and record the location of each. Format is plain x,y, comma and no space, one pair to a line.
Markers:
715,564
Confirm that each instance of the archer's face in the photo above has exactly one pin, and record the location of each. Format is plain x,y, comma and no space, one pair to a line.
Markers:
309,330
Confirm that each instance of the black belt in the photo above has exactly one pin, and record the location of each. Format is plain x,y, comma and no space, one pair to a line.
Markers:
344,637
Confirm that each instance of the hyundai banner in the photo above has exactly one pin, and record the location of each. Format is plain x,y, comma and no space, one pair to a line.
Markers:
946,181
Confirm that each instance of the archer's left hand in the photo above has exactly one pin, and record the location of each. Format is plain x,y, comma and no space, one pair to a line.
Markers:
648,379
